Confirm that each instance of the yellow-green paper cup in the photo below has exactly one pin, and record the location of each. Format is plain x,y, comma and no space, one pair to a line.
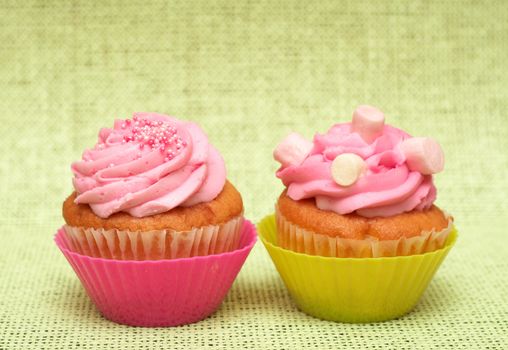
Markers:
353,289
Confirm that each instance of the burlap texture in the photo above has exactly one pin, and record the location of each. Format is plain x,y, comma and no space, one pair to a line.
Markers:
249,72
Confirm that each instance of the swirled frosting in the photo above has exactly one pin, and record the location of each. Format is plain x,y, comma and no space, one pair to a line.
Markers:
387,186
148,165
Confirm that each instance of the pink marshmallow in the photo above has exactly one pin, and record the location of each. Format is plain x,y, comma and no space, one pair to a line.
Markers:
292,150
368,122
423,154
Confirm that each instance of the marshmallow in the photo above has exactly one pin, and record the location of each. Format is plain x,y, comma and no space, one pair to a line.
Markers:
347,168
423,154
292,150
368,122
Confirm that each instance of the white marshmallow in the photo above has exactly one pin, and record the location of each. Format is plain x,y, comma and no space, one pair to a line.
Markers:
347,168
368,122
423,154
292,150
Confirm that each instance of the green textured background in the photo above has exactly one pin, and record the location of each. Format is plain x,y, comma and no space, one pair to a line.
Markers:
250,72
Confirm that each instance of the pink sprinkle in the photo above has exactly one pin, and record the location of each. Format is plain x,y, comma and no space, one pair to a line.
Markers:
158,135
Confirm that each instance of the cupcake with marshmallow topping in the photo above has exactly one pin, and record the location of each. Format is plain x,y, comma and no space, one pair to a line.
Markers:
152,188
363,189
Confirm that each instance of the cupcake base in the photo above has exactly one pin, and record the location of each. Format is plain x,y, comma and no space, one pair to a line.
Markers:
291,236
156,244
353,289
159,293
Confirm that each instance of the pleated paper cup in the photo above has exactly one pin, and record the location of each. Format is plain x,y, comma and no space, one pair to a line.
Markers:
155,245
156,293
291,236
353,289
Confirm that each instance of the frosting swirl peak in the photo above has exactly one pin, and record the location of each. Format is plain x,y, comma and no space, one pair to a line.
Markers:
148,165
365,167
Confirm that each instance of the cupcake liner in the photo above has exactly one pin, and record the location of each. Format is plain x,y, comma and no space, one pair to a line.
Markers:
163,292
154,245
291,236
353,289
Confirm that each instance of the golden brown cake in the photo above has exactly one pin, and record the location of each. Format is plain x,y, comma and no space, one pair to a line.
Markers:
226,206
305,214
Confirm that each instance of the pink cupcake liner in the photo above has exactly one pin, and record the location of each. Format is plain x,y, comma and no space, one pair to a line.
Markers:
158,293
154,245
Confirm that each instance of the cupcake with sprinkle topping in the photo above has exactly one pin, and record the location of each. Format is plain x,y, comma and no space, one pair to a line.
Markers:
152,187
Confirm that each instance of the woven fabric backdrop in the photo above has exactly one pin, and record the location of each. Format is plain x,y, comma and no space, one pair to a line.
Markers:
250,72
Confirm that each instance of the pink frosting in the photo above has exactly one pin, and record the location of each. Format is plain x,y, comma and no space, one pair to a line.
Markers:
148,165
388,187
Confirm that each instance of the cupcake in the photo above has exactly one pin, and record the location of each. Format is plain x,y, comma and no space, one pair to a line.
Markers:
360,195
152,187
154,230
363,189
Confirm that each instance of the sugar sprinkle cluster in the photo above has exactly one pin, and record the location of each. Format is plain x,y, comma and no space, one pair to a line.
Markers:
157,135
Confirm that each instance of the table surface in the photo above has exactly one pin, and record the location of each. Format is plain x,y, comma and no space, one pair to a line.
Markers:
249,73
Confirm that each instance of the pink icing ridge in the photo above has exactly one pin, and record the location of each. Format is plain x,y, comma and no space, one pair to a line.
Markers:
387,188
148,165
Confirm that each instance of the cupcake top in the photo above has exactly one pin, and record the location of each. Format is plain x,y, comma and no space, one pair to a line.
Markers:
363,166
148,165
